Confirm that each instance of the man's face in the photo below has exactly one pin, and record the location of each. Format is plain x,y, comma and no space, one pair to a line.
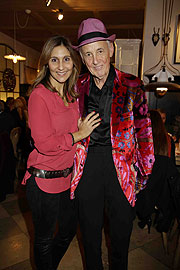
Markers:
97,56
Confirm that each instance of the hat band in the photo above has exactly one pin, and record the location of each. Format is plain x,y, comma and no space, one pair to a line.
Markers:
91,35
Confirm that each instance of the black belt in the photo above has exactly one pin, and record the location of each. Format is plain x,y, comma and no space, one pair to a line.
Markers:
49,174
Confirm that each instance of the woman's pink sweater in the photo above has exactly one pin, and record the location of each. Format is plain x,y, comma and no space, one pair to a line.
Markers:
51,122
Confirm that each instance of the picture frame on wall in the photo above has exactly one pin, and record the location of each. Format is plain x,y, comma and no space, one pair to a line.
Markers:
177,45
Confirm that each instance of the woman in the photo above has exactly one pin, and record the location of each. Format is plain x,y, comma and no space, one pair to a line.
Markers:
53,119
171,144
157,194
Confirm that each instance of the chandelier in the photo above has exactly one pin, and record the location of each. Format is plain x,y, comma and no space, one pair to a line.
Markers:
15,57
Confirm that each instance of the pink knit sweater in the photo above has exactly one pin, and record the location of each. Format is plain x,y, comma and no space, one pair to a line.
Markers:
51,122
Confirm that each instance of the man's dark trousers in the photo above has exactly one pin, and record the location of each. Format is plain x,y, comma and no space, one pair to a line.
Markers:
99,189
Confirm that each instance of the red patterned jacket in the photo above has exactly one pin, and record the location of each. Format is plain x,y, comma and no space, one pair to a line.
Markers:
131,135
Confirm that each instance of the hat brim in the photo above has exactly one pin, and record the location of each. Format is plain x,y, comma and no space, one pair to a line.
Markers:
91,40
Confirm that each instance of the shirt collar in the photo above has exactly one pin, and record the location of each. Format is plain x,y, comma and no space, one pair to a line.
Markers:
109,80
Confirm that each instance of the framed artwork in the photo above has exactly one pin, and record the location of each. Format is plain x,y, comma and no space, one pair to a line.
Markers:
177,46
9,79
9,74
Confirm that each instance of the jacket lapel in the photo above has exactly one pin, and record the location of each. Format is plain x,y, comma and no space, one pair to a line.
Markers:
118,100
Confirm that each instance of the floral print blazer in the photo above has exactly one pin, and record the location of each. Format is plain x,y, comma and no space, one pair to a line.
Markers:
131,135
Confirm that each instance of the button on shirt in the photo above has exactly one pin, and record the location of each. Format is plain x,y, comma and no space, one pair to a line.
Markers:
100,101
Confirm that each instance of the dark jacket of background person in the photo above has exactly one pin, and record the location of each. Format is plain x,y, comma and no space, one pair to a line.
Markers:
19,114
7,159
158,191
7,166
7,122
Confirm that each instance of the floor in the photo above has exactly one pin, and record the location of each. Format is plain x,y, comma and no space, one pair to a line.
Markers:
16,235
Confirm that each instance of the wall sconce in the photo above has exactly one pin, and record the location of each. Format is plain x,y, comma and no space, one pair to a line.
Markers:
60,15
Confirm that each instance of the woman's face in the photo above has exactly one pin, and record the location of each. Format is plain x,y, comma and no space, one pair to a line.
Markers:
163,116
60,66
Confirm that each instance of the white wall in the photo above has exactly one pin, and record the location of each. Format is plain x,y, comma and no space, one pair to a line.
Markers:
153,18
31,55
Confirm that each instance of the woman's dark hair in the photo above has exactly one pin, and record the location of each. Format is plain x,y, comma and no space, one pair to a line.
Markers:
159,134
43,75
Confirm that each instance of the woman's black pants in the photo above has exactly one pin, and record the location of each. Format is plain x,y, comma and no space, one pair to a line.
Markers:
47,210
97,190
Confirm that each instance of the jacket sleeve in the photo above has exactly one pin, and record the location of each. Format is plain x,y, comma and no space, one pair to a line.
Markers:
143,136
46,139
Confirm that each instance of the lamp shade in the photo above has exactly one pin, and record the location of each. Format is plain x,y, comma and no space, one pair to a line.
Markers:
15,57
151,87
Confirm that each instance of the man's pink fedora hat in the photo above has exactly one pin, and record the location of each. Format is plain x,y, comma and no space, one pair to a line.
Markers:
91,30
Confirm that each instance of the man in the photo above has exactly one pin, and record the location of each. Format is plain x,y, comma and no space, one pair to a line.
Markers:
108,162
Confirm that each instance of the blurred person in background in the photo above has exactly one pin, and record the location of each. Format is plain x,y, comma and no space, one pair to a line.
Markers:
7,158
7,122
170,137
157,194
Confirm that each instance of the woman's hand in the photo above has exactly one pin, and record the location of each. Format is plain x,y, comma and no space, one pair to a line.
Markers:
87,126
79,122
